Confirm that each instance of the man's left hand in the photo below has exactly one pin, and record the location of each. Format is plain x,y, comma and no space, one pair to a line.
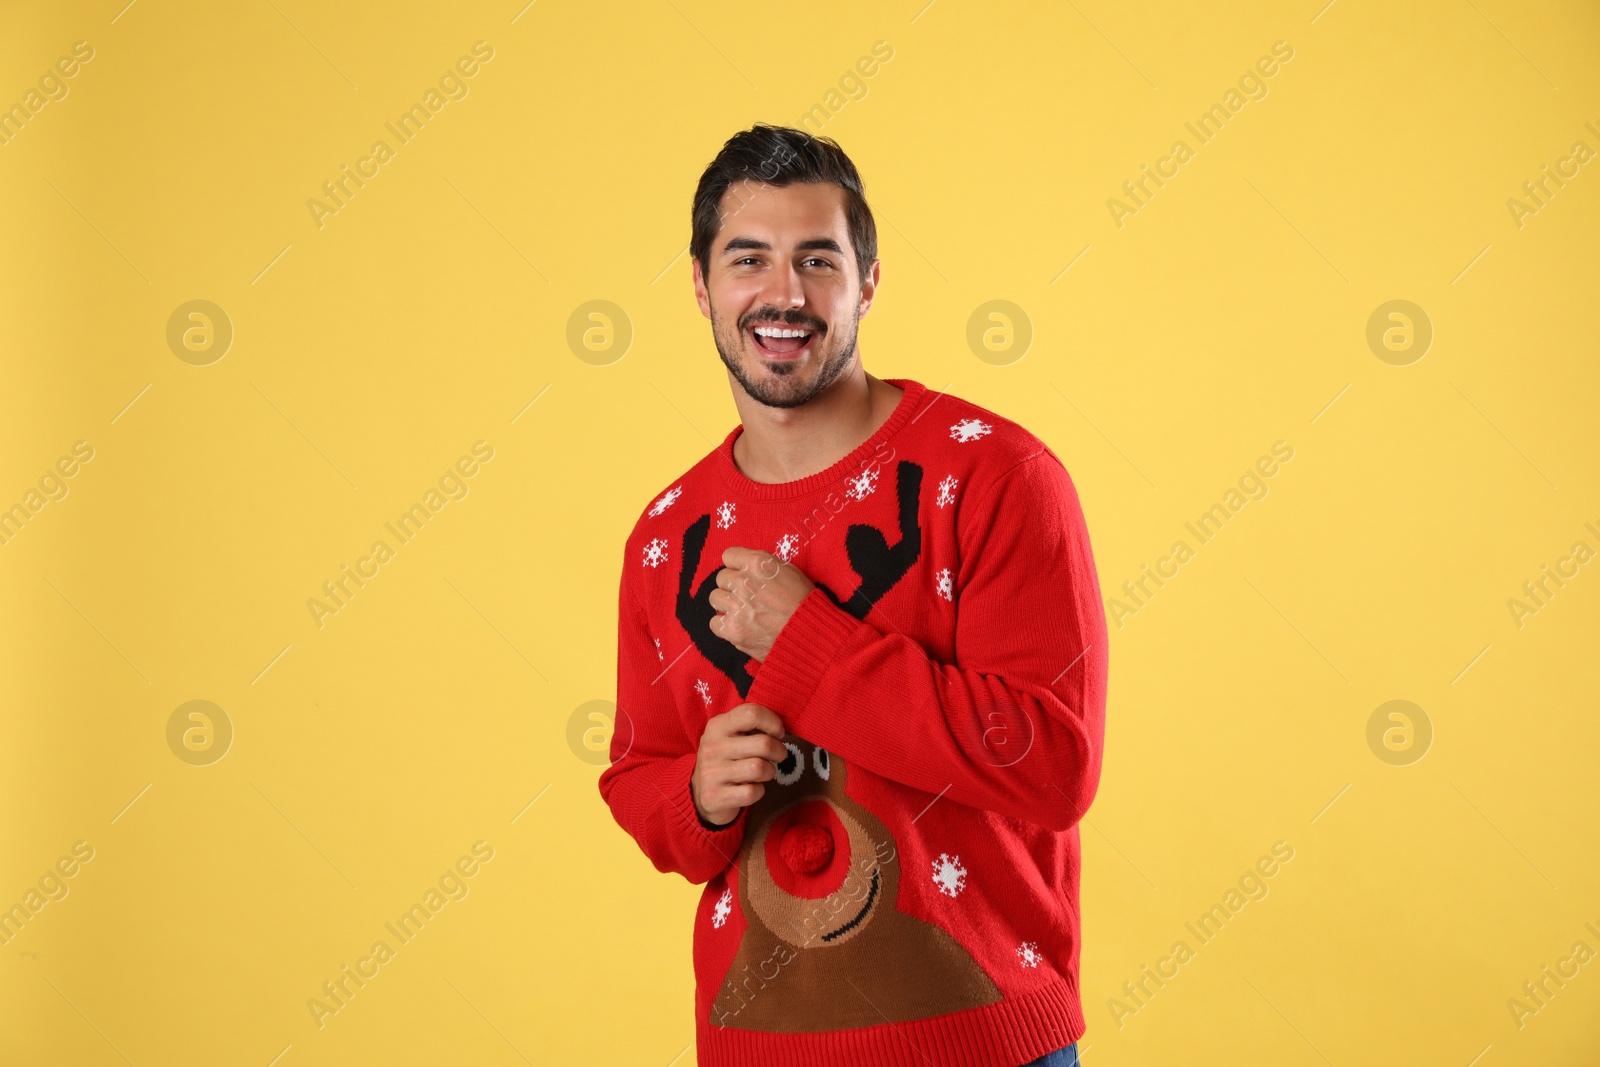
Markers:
755,595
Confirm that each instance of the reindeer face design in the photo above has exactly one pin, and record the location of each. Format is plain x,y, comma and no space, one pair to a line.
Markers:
815,873
819,880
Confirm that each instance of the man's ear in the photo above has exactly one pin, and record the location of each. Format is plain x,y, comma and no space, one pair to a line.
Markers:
869,287
701,295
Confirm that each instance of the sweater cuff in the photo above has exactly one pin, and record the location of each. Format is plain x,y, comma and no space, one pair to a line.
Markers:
712,833
805,648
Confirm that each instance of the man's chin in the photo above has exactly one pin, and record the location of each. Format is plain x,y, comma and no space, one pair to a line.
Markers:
784,369
786,386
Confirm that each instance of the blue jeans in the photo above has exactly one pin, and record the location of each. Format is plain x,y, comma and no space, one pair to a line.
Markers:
1061,1057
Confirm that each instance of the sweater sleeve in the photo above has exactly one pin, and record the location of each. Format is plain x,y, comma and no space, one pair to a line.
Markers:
652,759
1016,725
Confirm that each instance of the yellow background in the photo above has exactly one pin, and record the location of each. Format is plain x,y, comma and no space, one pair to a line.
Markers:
1229,313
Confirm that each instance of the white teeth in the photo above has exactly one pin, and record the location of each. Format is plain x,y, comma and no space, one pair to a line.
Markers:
773,331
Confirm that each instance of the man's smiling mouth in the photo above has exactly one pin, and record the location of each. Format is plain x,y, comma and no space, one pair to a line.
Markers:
781,342
872,894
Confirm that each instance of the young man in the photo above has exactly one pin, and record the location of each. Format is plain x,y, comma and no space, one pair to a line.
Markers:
861,671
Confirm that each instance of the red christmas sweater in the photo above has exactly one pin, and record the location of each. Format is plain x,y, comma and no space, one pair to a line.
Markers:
906,891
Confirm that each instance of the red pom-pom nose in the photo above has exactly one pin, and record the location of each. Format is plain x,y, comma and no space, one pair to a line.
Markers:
807,848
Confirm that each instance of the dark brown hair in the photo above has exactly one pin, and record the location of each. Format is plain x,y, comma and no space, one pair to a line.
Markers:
779,156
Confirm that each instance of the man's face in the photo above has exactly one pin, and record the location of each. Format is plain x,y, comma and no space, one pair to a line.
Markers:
783,260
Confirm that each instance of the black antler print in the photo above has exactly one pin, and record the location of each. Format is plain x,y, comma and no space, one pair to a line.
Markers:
695,612
875,562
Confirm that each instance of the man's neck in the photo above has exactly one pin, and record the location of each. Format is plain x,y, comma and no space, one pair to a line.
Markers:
787,444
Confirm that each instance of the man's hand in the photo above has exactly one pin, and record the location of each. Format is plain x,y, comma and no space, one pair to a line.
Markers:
755,595
739,750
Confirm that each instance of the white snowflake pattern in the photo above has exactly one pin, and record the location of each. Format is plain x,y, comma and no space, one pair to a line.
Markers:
1028,954
655,553
788,545
659,655
724,906
725,516
945,584
947,490
666,500
970,430
949,875
862,487
704,690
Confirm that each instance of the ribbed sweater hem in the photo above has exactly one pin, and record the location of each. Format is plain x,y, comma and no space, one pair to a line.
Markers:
1008,1034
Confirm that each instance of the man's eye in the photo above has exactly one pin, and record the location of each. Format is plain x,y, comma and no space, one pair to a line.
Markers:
810,259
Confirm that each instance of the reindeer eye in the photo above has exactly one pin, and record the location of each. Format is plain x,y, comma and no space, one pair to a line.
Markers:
820,760
793,765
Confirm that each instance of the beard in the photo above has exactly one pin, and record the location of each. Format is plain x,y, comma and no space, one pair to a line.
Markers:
783,385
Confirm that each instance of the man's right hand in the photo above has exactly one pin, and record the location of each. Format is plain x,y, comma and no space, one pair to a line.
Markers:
739,750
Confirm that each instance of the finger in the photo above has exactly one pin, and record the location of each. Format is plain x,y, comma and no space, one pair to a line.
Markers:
745,795
757,745
738,586
753,564
735,555
727,628
731,723
754,769
723,602
734,721
757,717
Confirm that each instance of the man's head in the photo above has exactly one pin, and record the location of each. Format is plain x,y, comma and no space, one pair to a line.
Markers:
783,239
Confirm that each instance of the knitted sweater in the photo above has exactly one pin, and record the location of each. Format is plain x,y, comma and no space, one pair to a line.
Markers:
905,892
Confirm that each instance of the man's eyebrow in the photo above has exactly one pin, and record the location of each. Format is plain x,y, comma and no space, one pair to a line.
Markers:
741,244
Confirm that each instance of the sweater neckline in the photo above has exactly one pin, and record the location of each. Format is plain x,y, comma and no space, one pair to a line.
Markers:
898,418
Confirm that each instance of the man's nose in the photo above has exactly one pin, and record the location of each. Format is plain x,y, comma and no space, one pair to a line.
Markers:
784,288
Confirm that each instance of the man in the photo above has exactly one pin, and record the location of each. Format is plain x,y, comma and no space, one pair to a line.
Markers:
861,670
